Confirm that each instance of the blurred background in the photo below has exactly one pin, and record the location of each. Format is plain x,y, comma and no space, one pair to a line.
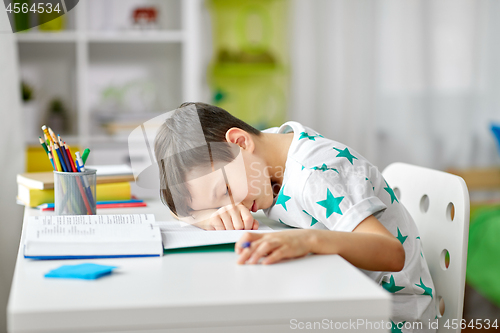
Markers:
410,81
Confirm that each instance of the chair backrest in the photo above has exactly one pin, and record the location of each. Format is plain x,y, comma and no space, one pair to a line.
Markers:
439,204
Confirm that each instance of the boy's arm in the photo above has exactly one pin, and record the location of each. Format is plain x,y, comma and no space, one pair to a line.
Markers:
370,246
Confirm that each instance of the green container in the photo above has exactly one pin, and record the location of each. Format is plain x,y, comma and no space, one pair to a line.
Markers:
255,93
248,75
53,21
249,31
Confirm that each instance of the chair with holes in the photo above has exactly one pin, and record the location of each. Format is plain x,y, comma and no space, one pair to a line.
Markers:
439,204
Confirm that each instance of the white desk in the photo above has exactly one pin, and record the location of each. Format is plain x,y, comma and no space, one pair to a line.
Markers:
193,292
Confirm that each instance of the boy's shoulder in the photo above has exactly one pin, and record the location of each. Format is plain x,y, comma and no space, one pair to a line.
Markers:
312,150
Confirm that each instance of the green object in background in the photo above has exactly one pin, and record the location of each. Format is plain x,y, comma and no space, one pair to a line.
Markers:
53,21
248,74
22,20
483,260
255,93
250,31
26,92
85,154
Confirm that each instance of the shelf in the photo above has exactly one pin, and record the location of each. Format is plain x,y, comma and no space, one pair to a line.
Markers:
171,36
99,50
47,37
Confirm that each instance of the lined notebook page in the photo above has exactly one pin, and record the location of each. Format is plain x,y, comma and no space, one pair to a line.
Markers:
67,228
71,235
176,235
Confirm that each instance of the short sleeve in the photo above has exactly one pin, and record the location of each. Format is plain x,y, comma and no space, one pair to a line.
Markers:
340,198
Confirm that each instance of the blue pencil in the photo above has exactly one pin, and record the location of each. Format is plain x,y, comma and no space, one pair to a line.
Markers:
64,154
61,159
51,205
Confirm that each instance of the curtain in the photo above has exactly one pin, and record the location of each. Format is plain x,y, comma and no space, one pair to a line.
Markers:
412,81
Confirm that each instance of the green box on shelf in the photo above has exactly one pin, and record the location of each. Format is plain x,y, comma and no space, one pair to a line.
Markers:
249,31
255,93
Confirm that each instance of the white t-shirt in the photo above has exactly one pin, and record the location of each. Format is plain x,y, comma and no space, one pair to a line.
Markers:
327,185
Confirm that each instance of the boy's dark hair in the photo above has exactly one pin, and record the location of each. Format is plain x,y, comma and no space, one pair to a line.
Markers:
177,152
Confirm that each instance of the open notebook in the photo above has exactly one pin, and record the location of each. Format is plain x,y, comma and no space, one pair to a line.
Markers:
115,236
176,235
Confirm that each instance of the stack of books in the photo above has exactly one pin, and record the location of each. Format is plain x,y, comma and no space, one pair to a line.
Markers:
36,189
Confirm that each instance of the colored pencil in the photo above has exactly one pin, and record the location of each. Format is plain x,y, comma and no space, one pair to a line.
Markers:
46,132
106,202
57,164
71,162
105,206
51,160
43,144
63,165
64,154
52,134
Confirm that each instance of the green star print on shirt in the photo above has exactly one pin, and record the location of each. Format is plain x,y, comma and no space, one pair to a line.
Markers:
391,286
345,153
331,203
427,290
304,135
391,193
400,237
373,187
324,168
313,221
282,198
395,328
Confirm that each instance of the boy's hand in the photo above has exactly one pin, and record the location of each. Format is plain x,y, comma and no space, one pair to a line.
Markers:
229,217
273,246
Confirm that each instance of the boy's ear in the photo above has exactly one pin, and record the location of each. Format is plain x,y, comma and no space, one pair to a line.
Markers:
241,138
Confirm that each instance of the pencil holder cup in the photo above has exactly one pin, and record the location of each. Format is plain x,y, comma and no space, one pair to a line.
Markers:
75,193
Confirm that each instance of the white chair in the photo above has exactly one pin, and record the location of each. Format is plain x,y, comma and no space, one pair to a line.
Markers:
439,204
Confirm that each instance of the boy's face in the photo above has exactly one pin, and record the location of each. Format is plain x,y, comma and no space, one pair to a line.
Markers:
245,180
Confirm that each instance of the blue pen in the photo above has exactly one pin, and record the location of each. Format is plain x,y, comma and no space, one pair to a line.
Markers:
245,245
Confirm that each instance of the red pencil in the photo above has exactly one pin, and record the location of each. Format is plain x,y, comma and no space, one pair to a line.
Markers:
68,151
122,205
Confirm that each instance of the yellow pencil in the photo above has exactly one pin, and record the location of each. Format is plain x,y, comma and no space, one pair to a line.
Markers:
56,159
47,142
46,132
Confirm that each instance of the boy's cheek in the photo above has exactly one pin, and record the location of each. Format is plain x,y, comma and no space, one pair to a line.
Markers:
254,189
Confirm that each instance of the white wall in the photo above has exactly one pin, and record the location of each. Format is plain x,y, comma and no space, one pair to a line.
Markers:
11,160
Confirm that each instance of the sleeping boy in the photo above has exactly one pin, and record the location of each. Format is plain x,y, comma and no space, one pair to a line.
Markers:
338,202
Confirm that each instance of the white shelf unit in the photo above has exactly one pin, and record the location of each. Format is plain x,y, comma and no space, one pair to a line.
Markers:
65,63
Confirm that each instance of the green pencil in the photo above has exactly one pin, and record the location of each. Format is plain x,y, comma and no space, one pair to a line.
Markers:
43,145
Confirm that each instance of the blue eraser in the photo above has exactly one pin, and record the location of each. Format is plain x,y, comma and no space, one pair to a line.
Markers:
85,271
245,245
